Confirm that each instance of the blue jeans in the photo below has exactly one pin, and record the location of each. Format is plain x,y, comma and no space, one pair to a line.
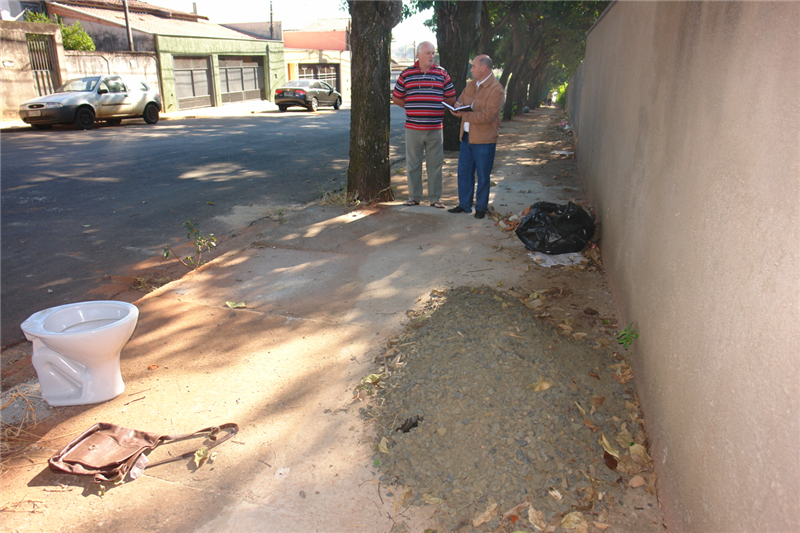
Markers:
474,159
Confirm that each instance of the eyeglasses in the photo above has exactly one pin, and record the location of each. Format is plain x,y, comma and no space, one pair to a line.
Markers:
426,82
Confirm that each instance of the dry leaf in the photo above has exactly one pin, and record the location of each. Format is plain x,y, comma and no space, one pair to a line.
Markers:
152,367
235,305
431,500
607,446
622,372
610,460
601,526
384,445
583,527
594,375
572,520
637,481
536,519
590,494
533,304
200,456
401,500
598,400
516,510
624,438
628,466
640,455
541,385
485,517
554,493
579,335
583,413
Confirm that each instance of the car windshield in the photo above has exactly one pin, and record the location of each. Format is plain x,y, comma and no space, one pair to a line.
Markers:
82,85
298,83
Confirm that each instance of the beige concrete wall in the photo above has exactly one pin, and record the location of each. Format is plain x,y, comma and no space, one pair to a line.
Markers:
16,80
689,143
139,65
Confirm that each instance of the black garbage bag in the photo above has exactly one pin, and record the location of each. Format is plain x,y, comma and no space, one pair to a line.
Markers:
555,229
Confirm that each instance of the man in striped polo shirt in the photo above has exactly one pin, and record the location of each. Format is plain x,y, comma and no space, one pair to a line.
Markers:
421,89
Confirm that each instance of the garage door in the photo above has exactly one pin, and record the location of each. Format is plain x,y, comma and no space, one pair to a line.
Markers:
193,82
326,72
240,79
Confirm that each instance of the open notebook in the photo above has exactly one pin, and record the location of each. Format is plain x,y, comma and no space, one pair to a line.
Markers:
461,108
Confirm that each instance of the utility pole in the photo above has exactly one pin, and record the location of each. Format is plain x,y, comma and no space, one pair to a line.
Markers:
128,25
271,35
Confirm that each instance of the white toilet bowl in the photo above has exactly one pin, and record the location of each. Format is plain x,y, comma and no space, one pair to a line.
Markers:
76,350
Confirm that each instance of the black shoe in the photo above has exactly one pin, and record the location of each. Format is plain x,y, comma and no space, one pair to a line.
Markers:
480,214
457,209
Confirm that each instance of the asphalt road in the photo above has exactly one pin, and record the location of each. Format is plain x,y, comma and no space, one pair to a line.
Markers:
79,206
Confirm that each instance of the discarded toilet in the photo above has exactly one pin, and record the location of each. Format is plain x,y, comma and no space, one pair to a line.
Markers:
76,350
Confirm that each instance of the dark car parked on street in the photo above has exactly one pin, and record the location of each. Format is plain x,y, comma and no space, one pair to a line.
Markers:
307,93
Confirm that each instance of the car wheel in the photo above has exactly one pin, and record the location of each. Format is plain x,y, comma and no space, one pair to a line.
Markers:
150,113
114,121
283,108
84,118
314,104
338,103
42,127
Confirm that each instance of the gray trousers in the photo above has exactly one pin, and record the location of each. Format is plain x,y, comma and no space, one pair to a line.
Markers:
430,142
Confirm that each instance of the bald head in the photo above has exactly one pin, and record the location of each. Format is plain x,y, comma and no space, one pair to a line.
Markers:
481,67
425,55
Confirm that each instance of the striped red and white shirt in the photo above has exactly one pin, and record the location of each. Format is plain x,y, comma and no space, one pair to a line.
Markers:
424,93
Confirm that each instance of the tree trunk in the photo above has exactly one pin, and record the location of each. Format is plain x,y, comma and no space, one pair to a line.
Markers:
489,28
368,176
456,32
526,34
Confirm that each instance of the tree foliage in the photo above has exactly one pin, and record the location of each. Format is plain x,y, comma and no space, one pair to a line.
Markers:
74,37
35,16
537,45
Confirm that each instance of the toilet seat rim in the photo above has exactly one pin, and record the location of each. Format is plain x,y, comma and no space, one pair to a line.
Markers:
34,324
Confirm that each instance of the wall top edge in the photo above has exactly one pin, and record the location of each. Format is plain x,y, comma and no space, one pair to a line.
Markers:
603,14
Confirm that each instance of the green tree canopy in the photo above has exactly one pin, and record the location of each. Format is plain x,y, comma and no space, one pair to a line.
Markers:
537,45
74,37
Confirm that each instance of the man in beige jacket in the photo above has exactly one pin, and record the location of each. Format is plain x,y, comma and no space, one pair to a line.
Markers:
480,129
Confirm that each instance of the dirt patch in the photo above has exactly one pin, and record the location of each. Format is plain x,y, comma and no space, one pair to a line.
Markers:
487,409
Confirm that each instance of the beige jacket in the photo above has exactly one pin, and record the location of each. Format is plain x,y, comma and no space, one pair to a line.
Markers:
484,119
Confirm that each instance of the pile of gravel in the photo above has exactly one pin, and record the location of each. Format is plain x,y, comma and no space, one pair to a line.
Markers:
472,372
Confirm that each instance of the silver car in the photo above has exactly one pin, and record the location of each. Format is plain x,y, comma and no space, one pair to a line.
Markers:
84,100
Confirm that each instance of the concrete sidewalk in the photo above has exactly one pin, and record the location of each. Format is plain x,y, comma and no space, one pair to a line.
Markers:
324,289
